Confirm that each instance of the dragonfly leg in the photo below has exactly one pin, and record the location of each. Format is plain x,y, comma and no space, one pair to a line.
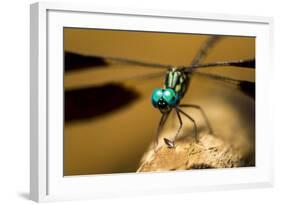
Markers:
168,142
203,114
180,120
194,124
160,127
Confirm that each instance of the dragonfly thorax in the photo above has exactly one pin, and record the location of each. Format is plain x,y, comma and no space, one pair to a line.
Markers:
174,89
177,80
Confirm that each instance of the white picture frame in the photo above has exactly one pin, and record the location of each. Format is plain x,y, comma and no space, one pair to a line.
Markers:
47,182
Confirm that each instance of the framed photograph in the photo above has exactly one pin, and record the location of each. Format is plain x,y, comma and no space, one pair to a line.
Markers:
128,101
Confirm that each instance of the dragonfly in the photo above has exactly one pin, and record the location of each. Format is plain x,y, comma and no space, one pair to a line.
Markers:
176,83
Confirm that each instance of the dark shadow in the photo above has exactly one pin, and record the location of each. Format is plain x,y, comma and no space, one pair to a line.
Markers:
248,88
92,102
74,61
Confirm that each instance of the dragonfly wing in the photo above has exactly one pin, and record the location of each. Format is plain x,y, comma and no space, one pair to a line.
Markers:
248,63
251,63
147,76
74,61
247,87
203,51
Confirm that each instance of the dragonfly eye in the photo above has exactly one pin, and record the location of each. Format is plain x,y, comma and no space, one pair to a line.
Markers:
156,96
170,96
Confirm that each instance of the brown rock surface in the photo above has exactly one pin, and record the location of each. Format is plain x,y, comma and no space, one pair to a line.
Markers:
209,152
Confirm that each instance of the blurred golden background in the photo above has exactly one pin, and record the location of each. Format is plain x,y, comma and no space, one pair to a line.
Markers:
114,142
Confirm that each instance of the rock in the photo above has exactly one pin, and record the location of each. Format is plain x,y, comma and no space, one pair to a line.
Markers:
209,152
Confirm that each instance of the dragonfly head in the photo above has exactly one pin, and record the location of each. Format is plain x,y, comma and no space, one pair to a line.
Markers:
164,99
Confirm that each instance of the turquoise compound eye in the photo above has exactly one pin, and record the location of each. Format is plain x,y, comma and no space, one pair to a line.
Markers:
169,96
156,96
